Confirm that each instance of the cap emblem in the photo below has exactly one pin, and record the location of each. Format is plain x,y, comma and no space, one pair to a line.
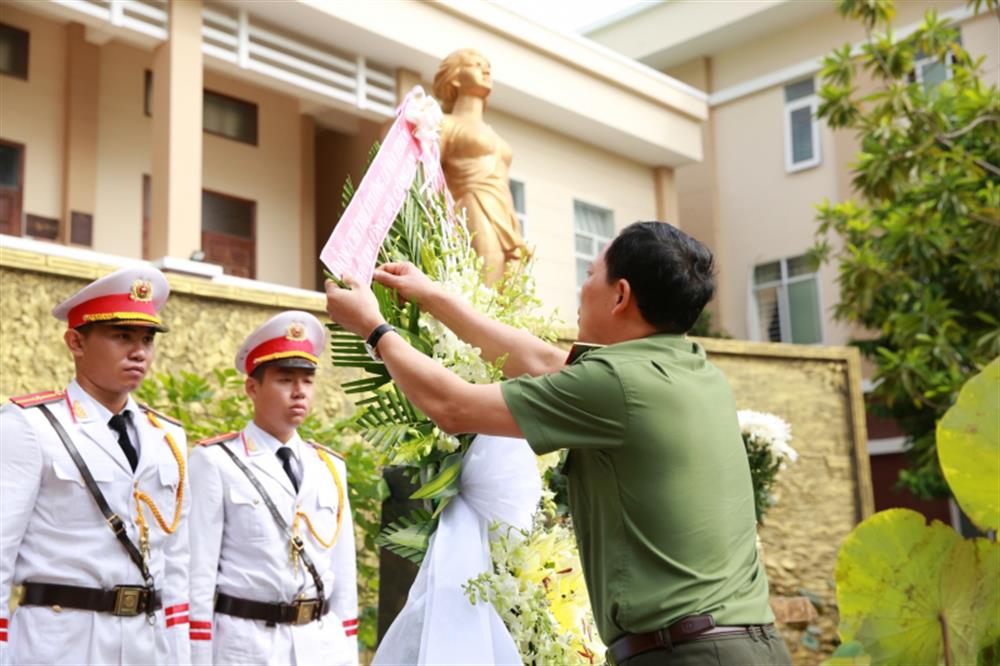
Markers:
296,332
142,291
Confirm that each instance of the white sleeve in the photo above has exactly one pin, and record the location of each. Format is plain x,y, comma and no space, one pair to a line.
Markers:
176,564
344,600
20,479
206,524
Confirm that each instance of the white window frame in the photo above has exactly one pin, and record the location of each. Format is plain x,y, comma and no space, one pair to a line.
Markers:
784,308
522,216
594,238
811,102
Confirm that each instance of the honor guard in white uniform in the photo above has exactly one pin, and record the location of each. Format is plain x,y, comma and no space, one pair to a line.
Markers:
273,571
94,502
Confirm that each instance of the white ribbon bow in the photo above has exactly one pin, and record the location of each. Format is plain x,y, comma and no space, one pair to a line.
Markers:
438,624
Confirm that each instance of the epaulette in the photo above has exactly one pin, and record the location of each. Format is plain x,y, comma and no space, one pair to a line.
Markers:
218,438
34,399
161,415
327,449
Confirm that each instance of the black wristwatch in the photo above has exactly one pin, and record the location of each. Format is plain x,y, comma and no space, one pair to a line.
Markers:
372,342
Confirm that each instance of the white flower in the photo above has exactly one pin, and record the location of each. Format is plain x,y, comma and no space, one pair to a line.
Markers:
425,114
768,428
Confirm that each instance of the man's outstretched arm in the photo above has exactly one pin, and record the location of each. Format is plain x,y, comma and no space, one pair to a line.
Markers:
455,405
526,354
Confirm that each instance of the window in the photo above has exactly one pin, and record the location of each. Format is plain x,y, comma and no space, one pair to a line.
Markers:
13,51
932,72
221,115
786,301
227,233
594,228
801,127
517,193
229,117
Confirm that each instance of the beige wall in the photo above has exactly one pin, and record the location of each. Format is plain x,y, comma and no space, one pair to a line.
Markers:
555,170
810,39
981,37
32,111
124,145
766,213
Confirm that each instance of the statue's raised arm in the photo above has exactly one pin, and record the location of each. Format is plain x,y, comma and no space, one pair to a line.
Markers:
476,161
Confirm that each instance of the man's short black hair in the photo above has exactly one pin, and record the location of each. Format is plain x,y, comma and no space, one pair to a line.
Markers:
670,273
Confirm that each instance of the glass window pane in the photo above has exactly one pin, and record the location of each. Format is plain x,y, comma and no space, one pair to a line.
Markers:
227,215
584,245
601,245
582,265
230,117
10,166
767,273
768,314
799,89
933,74
801,265
13,51
517,194
592,219
803,303
802,135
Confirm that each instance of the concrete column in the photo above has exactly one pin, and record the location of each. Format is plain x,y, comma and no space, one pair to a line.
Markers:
175,228
665,188
83,69
405,80
310,270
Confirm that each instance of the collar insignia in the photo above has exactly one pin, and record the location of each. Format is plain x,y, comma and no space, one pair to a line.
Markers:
78,410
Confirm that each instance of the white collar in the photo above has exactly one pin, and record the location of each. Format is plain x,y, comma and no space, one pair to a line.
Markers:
86,407
270,442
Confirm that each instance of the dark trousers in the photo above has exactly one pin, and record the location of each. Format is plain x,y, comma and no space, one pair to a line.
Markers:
763,648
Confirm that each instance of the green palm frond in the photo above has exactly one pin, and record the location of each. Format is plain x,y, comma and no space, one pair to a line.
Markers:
409,536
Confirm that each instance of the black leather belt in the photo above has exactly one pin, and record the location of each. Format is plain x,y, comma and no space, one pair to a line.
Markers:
302,611
690,628
123,600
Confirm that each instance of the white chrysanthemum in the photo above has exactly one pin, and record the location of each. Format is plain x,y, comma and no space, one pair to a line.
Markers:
768,428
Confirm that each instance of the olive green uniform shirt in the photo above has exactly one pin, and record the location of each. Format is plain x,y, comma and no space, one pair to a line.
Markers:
659,484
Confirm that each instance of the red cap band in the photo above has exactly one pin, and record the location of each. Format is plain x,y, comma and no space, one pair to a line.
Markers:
117,307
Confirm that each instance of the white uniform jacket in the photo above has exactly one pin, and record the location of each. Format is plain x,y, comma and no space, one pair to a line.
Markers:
53,532
238,549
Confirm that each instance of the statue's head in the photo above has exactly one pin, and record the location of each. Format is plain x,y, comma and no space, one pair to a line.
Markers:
466,71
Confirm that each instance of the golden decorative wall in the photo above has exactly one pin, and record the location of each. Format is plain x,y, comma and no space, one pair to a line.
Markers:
208,322
823,495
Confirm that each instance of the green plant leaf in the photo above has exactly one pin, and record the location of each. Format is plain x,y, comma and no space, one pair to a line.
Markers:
902,586
445,483
849,654
968,445
409,536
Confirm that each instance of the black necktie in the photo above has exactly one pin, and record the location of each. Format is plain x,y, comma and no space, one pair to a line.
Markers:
118,424
285,453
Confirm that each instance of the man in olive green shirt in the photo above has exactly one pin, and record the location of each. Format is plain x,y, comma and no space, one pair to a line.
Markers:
659,484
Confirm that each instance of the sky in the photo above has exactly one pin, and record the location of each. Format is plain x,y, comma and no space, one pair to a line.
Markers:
569,15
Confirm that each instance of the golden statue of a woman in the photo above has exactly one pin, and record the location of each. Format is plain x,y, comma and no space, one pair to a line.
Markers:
476,161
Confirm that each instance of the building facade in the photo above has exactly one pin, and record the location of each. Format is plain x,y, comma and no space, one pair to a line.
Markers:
768,160
200,135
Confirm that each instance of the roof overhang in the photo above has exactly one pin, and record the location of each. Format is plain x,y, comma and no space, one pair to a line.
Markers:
560,81
666,34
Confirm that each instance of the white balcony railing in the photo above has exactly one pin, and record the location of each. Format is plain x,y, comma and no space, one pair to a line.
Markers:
237,40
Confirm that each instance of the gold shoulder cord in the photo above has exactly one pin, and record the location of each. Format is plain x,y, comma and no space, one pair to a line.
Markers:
141,497
340,505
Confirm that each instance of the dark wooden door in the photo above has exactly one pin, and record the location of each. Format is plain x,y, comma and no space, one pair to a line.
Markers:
234,254
11,187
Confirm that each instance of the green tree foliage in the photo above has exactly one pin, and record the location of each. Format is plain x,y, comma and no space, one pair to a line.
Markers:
918,249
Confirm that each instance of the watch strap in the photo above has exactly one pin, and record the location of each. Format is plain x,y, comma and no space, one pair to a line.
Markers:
376,335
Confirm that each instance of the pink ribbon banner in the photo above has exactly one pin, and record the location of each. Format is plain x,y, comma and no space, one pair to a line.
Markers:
352,248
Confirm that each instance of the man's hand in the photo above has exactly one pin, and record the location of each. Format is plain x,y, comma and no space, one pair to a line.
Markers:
356,309
408,281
